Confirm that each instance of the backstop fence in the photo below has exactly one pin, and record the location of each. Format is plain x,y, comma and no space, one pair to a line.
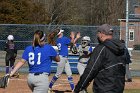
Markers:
23,33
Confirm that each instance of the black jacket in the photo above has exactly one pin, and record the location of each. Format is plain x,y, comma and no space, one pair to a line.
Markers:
107,67
128,58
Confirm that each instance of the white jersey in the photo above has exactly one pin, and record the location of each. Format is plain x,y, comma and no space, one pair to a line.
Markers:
84,53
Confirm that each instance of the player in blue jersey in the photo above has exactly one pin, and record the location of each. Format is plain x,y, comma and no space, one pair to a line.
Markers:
62,44
39,57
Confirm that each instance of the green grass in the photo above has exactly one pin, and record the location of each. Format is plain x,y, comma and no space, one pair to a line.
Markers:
132,91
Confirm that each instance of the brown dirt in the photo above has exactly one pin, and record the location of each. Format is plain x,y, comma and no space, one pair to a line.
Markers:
135,84
19,85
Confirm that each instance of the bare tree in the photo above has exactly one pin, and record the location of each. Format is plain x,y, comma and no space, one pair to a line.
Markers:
76,12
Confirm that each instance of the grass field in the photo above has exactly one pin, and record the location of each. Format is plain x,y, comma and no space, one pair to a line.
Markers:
132,91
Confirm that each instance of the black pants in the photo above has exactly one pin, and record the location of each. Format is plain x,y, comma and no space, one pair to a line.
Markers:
10,60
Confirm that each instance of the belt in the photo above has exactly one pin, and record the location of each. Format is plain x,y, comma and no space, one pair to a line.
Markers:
39,73
83,62
64,56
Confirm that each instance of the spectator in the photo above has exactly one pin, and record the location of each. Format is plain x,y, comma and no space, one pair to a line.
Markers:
128,61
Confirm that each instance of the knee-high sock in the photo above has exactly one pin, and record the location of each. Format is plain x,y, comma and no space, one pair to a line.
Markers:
7,69
70,79
53,81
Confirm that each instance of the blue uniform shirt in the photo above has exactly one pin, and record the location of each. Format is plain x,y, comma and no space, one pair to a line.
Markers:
40,58
62,44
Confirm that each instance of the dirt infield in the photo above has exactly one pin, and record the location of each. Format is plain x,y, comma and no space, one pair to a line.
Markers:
19,85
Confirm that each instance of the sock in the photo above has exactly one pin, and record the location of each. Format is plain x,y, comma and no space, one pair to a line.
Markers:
7,69
53,81
70,79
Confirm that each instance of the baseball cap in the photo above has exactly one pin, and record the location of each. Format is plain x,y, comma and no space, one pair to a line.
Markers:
61,31
106,29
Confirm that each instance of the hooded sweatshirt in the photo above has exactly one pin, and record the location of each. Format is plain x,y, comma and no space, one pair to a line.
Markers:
107,67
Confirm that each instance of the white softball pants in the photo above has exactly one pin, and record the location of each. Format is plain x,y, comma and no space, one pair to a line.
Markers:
38,83
63,64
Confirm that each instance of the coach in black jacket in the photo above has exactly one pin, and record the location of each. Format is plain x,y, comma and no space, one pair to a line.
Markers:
106,65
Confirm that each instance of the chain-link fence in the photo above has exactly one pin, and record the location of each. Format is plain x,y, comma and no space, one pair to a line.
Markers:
23,33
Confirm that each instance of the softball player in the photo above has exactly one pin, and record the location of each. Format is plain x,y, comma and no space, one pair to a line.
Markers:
84,54
11,53
39,57
62,44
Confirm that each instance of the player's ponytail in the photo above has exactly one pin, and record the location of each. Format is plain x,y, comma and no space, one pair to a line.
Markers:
39,36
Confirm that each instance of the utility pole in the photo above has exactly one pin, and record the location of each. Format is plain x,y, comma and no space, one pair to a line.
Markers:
127,20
